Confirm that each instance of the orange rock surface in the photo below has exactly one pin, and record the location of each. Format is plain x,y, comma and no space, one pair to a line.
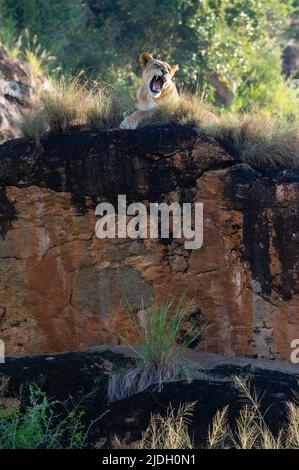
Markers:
62,288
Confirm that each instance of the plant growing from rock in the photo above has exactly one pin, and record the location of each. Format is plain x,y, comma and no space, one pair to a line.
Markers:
160,353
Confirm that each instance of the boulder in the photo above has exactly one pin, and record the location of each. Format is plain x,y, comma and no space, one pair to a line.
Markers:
291,60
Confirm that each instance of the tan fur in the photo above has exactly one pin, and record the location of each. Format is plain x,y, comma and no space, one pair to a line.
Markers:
146,99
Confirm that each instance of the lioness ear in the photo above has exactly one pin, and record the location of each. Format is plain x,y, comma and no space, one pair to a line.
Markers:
174,68
144,59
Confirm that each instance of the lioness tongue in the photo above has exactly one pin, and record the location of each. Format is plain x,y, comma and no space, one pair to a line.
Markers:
156,85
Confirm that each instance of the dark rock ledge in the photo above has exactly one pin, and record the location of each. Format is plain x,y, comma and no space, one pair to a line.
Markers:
80,379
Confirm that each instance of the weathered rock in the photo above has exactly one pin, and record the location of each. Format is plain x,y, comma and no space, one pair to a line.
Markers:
62,288
291,60
17,87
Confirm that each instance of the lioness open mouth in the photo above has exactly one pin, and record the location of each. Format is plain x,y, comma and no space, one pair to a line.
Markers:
157,83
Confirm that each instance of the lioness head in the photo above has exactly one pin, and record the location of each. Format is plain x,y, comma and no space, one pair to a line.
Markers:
157,75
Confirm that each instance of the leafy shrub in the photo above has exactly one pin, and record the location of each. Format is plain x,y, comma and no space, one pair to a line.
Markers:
39,426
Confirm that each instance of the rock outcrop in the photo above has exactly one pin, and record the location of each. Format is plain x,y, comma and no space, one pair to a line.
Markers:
17,87
291,60
62,288
80,378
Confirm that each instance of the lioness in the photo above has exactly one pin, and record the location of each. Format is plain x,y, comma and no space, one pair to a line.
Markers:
156,88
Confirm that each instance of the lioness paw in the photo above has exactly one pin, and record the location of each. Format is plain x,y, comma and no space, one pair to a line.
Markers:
128,124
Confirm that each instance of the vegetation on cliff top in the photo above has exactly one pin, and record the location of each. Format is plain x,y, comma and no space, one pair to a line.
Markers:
229,45
232,45
229,54
70,103
255,137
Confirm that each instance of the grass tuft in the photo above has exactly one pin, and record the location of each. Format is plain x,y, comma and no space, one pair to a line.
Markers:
187,109
32,123
160,358
256,138
170,431
251,430
68,104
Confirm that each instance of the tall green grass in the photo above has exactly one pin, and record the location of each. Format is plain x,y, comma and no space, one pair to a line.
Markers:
160,350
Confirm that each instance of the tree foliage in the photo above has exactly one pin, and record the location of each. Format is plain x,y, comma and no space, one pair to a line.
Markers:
238,41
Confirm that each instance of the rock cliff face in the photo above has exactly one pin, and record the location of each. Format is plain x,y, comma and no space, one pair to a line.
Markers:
62,288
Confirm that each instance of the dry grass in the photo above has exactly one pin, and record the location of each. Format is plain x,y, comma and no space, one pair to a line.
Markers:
68,104
251,429
32,123
255,138
218,432
258,139
188,109
143,375
170,431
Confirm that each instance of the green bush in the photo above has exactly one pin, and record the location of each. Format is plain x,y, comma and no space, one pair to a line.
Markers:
39,426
